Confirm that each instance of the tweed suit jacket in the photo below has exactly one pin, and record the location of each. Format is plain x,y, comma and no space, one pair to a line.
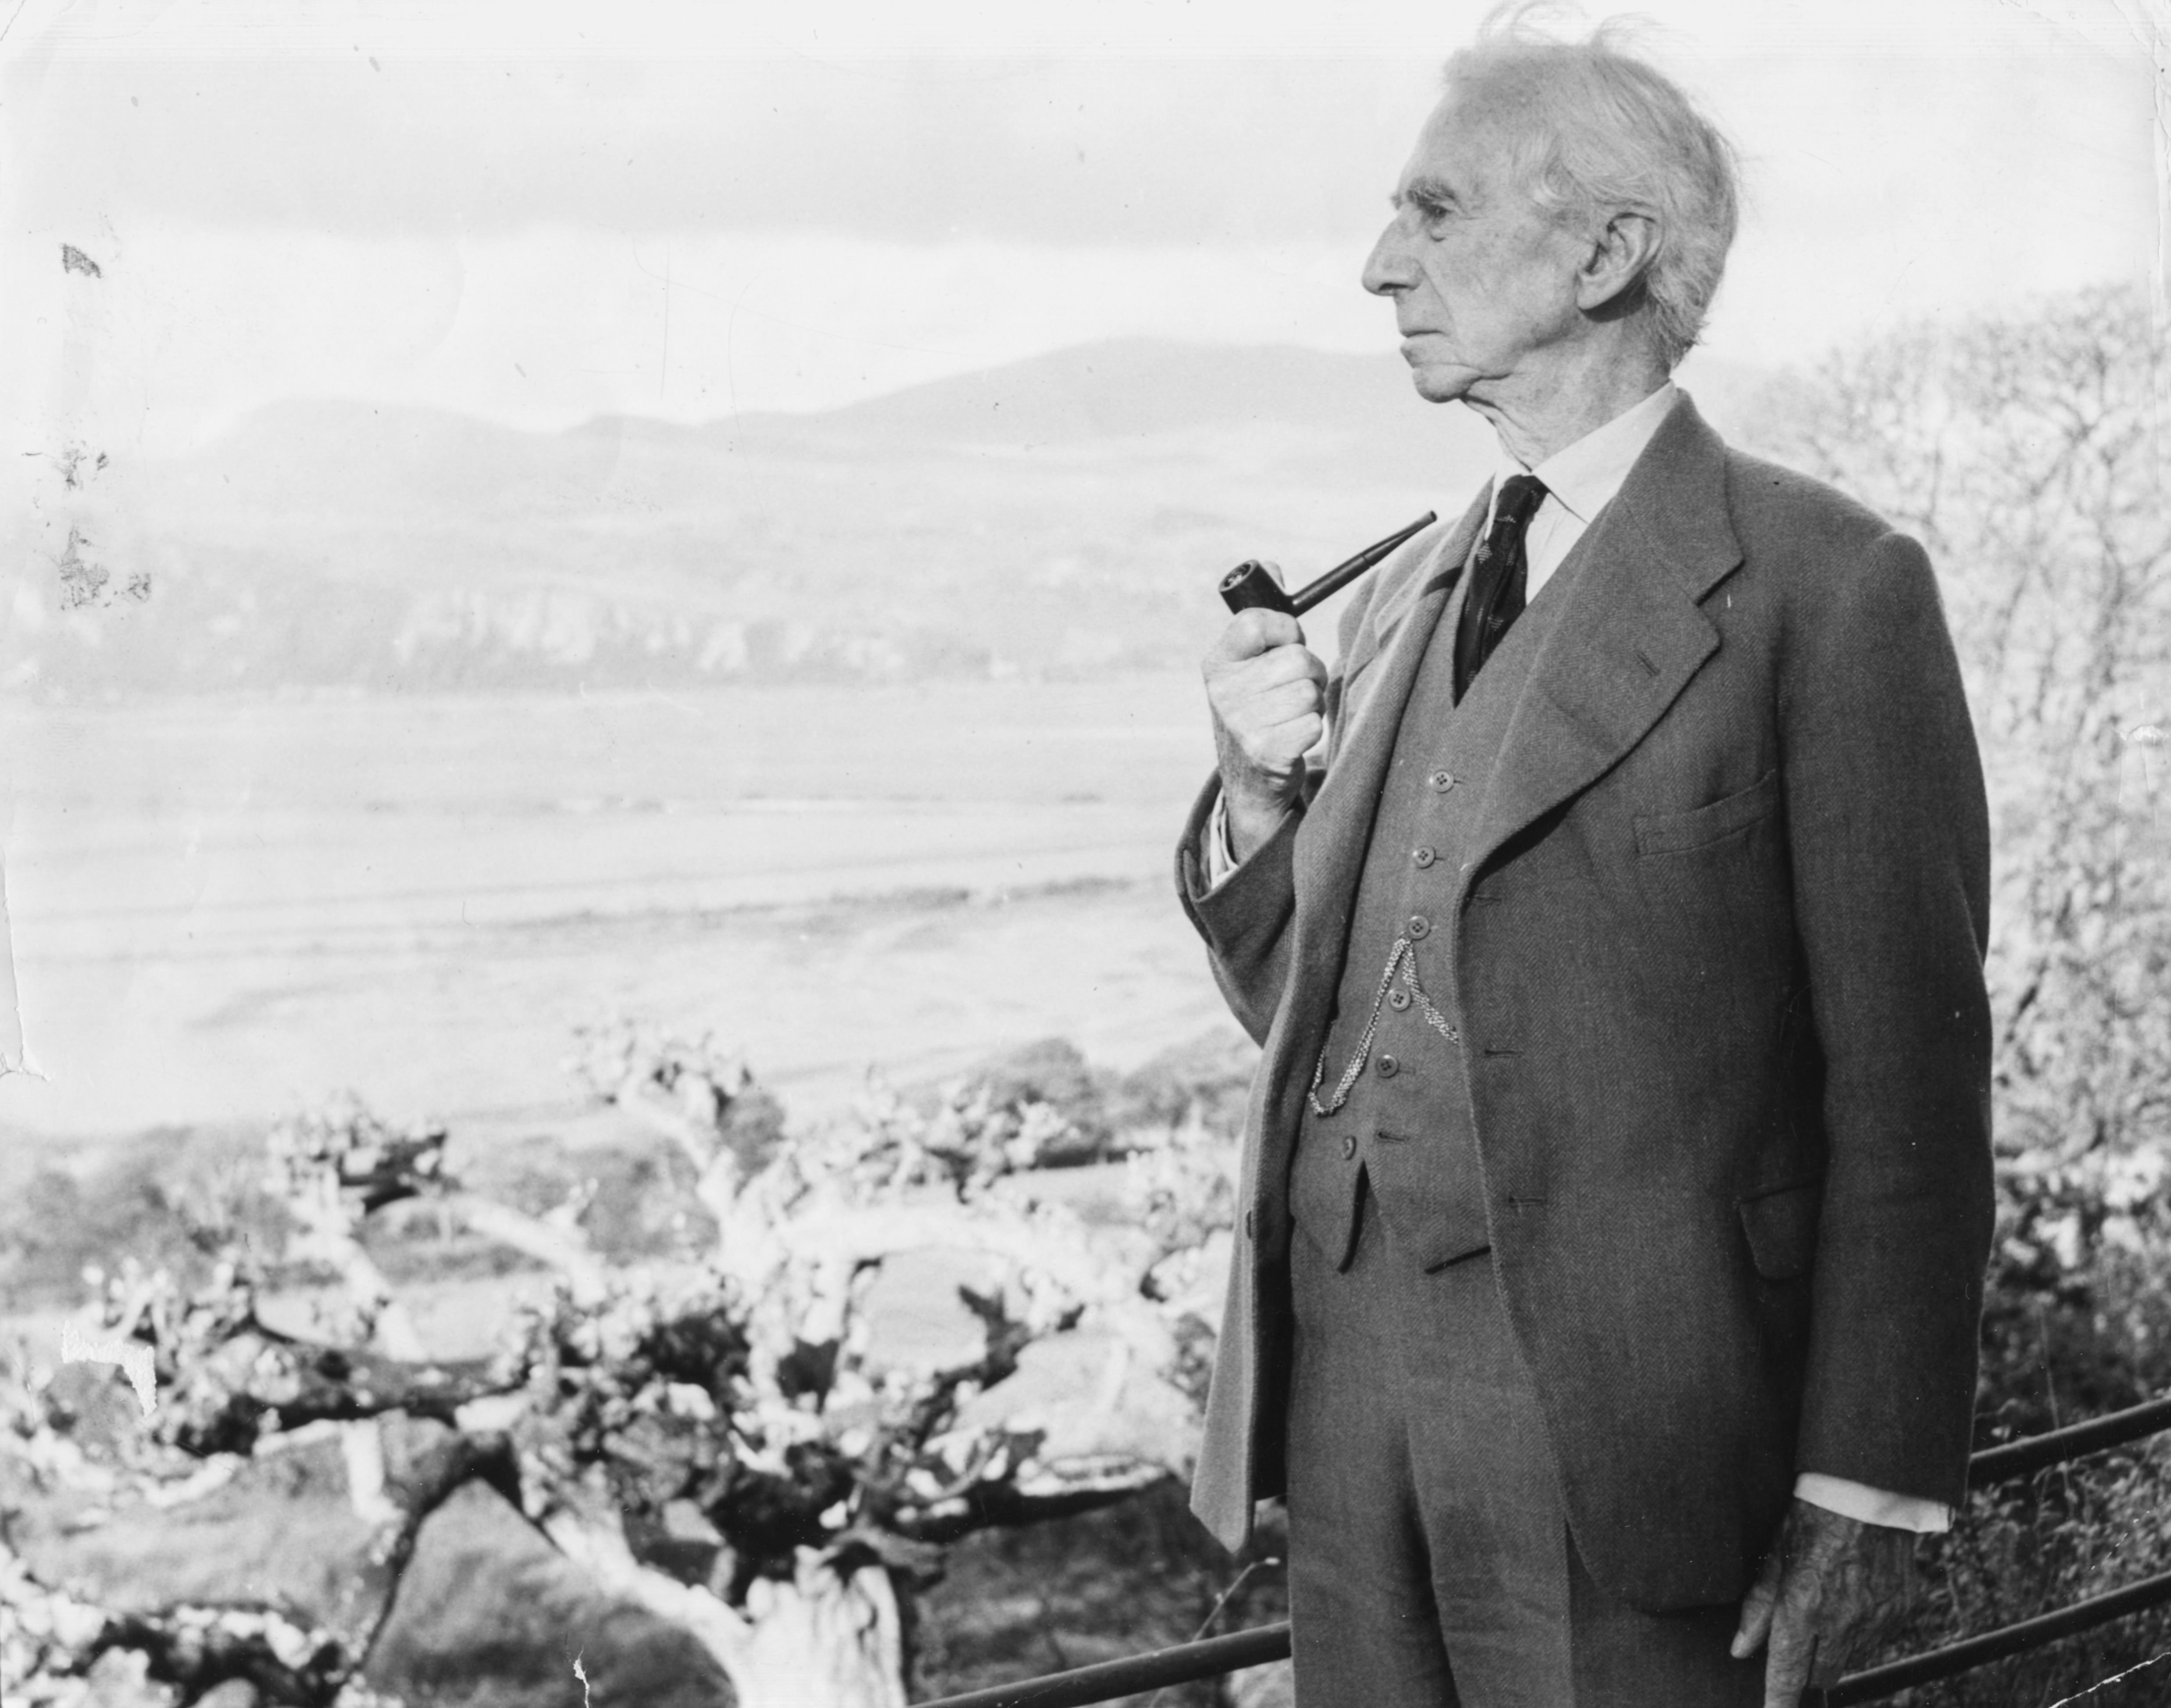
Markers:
1717,954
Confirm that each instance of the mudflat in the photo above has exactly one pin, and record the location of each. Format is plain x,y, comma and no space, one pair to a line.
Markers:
222,908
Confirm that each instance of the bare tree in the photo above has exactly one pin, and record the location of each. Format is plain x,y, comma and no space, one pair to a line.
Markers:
2028,452
724,1442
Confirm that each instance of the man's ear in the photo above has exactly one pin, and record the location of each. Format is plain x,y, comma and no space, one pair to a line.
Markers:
1620,253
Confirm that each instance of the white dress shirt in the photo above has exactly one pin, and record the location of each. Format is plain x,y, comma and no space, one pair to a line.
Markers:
1580,479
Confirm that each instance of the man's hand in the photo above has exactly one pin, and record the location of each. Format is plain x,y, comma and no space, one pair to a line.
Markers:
1267,691
1829,1591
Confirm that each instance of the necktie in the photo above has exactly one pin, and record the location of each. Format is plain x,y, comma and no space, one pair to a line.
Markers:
1496,584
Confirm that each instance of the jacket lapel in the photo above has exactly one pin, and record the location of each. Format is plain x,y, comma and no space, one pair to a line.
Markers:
1629,637
1338,823
1337,831
1403,581
1406,599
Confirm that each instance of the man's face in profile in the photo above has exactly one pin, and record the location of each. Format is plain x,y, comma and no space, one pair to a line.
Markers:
1481,279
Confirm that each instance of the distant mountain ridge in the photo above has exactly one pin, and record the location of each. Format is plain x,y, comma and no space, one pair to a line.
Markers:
1107,392
1132,388
1065,515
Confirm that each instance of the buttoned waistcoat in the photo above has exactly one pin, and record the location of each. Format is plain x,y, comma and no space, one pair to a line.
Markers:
1717,940
1403,1117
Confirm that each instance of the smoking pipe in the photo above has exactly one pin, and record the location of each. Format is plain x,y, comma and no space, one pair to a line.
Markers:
1249,584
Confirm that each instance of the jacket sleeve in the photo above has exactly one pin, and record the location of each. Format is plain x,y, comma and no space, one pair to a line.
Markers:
1246,918
1888,835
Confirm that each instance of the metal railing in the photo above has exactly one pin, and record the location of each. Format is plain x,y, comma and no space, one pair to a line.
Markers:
1186,1663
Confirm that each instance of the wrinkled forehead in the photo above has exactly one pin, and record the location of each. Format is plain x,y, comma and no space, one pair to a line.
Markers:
1472,141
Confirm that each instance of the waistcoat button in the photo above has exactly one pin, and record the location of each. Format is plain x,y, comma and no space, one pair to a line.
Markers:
1420,926
1424,856
1441,781
1348,1146
1398,999
1389,1066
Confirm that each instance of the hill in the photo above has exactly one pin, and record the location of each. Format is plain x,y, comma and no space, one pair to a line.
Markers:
1065,515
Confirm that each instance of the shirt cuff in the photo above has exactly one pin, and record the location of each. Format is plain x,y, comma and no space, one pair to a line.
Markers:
1220,859
1868,1506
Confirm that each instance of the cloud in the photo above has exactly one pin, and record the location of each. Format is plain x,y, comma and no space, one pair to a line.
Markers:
1087,151
783,123
540,214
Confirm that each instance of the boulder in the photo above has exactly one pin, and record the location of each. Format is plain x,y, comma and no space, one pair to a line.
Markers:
314,1525
915,1319
489,1615
121,1678
1093,1394
94,1405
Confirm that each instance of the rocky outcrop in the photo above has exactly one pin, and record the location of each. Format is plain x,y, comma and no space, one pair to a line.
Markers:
490,1615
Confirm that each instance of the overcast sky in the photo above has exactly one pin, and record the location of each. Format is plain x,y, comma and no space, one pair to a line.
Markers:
538,213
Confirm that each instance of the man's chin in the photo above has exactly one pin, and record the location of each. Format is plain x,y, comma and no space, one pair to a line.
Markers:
1437,382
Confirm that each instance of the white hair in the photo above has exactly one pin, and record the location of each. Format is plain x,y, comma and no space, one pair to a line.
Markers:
1594,129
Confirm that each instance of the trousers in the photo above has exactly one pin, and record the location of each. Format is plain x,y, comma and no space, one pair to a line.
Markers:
1430,1561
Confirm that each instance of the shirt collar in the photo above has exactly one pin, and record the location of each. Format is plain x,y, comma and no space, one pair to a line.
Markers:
1584,476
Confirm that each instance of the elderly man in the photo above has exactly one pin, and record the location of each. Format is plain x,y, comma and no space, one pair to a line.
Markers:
1616,1180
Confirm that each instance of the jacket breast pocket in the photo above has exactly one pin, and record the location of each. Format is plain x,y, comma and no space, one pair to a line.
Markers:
1781,1229
1679,833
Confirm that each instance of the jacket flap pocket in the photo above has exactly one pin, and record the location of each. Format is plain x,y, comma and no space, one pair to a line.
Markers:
1676,833
1782,1226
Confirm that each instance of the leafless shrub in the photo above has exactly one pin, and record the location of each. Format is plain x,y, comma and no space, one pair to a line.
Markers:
2028,452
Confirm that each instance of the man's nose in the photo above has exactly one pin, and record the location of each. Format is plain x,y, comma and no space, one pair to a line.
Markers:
1389,268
